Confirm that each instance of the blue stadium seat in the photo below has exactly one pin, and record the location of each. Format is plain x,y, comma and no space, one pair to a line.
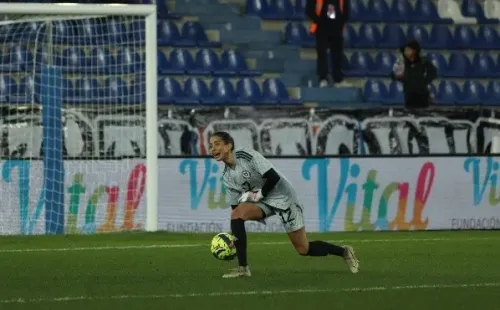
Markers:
248,91
28,90
137,90
127,60
375,92
64,32
392,37
378,11
16,58
180,62
472,93
195,91
281,9
492,96
86,90
448,92
68,89
163,11
395,93
418,32
357,11
257,8
299,9
167,33
440,37
464,37
206,62
8,86
401,11
116,32
369,36
439,62
275,92
193,34
233,63
41,56
483,65
472,8
426,12
350,37
136,31
384,61
163,63
114,90
488,38
360,64
100,61
295,33
88,31
459,66
222,92
169,91
72,59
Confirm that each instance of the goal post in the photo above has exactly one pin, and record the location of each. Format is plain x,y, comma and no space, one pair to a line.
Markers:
48,79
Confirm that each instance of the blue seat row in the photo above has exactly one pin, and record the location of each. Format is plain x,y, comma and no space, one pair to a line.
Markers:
206,62
98,31
447,92
393,36
118,90
222,91
424,11
458,65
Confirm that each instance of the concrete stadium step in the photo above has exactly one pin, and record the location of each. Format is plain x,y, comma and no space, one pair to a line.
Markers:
243,36
204,8
348,95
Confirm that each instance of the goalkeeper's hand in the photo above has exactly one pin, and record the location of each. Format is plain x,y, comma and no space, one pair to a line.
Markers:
251,196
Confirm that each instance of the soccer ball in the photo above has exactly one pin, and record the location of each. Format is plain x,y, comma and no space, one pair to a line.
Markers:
222,246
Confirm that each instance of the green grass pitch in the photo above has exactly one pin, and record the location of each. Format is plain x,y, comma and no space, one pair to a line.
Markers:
420,270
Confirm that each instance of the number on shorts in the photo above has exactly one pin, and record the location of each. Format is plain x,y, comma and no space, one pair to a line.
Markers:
286,215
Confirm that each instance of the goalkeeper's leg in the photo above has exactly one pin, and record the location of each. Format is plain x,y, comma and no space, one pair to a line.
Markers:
243,212
293,220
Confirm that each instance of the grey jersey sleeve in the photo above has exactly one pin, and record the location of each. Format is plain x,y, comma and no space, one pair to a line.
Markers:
261,164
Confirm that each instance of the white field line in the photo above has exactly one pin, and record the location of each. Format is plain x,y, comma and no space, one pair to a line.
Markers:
194,245
248,293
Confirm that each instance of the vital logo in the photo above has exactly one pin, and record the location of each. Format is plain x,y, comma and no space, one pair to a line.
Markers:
204,179
349,184
484,172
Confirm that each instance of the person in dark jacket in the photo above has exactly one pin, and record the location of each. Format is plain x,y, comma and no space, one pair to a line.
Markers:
416,73
328,20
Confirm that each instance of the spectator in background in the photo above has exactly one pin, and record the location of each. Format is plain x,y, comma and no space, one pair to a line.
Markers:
416,73
328,20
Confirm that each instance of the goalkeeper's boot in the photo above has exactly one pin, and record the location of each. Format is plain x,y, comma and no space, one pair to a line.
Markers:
238,272
350,259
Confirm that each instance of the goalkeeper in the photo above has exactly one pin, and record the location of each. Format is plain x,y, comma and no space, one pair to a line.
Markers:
257,190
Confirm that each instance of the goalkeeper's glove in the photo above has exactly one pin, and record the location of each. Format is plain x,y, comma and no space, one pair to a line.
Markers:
251,196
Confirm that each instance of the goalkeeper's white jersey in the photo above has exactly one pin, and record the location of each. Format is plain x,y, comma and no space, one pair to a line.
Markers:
247,176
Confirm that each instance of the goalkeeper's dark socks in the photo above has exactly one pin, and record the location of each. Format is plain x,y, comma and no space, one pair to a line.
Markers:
238,230
321,248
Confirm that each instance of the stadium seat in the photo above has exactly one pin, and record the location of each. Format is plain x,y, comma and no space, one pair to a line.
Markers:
274,92
484,66
28,90
492,96
72,59
357,11
464,37
193,34
116,32
222,92
233,63
180,62
257,8
137,90
86,90
86,31
395,93
350,37
487,38
383,64
439,62
392,37
114,90
280,10
299,10
369,36
195,91
459,66
401,11
378,10
63,32
16,58
472,93
295,33
375,92
168,33
163,63
472,8
136,31
448,92
426,12
360,64
169,91
440,37
163,12
248,91
127,60
206,62
418,32
8,86
100,61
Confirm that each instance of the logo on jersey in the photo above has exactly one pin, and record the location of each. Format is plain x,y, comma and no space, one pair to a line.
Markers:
246,174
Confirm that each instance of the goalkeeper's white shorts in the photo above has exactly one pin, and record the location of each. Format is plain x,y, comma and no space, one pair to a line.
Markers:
292,217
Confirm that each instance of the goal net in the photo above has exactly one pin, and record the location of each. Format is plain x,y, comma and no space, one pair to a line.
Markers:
75,102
